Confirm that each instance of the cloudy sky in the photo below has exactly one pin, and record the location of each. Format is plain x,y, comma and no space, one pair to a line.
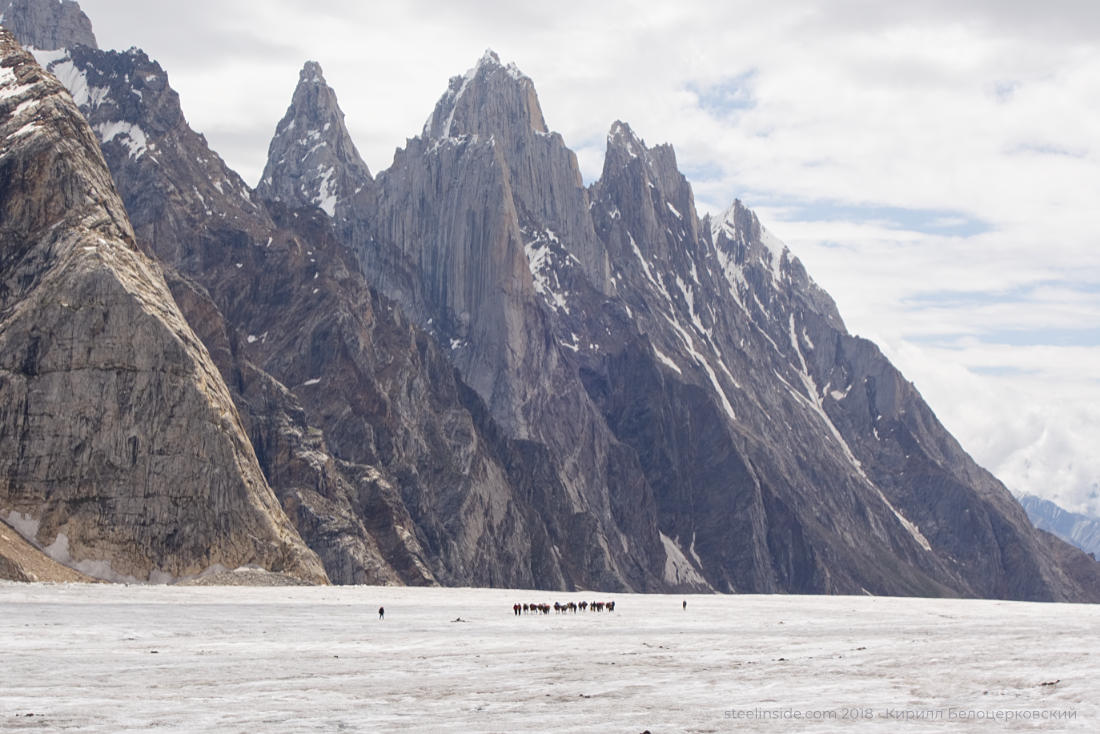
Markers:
935,164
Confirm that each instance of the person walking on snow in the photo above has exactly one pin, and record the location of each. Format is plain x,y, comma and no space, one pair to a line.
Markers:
381,612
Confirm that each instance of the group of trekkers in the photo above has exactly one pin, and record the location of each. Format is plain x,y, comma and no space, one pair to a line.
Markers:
559,608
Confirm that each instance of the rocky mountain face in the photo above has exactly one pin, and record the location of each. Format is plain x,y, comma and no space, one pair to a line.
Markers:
553,385
1079,530
685,367
445,232
390,467
122,453
47,24
312,160
829,453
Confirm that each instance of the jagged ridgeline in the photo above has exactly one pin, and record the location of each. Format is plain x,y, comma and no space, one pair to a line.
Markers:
472,369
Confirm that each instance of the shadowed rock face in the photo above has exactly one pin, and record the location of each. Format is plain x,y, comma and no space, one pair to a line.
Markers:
121,449
47,24
835,474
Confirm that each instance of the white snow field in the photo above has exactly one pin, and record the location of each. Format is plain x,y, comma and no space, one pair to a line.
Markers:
101,658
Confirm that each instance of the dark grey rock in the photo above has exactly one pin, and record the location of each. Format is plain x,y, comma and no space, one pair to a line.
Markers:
449,232
835,475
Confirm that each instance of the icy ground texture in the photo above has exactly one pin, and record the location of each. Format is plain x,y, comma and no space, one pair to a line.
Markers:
114,658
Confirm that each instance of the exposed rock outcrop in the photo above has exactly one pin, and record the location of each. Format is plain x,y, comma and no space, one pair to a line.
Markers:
122,454
819,456
47,24
312,160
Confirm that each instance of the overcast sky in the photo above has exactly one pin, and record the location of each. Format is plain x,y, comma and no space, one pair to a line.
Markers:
935,164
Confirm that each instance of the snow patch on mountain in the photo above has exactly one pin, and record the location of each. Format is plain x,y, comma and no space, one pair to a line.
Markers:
654,279
734,276
9,87
906,523
541,251
813,399
667,361
622,136
776,248
704,363
59,63
45,57
129,135
326,198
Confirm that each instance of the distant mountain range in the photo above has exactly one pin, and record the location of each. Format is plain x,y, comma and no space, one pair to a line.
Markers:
467,369
1082,531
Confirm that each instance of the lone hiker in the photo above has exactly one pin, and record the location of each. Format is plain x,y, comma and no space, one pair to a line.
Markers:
381,612
685,605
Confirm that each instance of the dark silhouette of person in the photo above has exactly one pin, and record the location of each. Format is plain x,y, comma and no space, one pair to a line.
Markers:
381,612
685,605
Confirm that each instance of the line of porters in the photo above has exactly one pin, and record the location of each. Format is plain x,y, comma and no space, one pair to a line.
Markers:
571,607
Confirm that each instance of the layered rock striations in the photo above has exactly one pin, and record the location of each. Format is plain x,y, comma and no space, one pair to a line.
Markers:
122,453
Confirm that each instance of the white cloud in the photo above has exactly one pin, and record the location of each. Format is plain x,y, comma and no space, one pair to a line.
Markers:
904,151
1035,430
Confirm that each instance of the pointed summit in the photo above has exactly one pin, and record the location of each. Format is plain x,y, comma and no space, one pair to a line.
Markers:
625,146
622,137
495,105
491,99
739,228
312,160
646,187
47,24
